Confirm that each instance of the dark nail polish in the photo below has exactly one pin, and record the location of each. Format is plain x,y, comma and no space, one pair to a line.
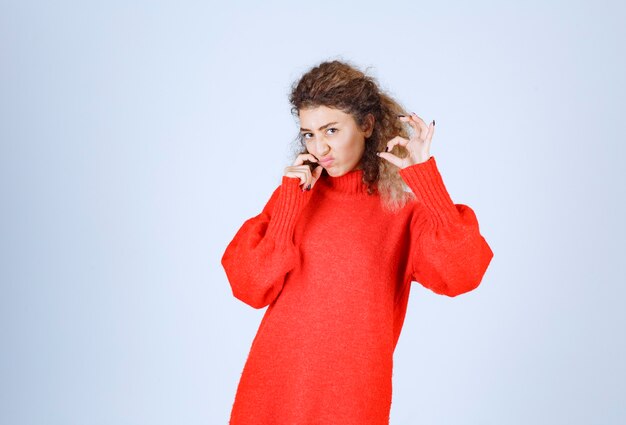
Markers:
308,187
386,148
433,122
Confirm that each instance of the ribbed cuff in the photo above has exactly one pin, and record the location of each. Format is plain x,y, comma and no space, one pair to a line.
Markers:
291,200
426,183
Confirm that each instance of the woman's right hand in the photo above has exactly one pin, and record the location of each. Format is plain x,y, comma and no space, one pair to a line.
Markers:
303,172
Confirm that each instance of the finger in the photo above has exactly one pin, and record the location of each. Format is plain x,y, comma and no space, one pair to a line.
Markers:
414,124
316,174
308,177
429,135
407,119
290,171
391,158
398,140
302,172
303,157
421,124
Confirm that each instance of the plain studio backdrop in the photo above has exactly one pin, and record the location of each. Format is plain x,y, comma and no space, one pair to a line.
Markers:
137,137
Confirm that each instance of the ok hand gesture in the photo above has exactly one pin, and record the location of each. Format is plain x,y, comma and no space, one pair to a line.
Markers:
418,145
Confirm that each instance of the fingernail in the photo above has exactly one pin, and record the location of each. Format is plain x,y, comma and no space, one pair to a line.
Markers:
386,148
308,187
433,122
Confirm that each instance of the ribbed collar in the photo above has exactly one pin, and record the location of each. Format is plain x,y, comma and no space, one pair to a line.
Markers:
348,183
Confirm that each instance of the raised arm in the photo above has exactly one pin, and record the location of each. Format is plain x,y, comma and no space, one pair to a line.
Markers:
262,252
448,255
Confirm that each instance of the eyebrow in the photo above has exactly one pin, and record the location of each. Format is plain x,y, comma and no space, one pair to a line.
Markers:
321,128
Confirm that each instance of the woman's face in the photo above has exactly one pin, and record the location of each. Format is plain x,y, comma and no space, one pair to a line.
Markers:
331,133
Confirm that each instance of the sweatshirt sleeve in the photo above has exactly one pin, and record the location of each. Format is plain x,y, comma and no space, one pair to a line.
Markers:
448,255
262,252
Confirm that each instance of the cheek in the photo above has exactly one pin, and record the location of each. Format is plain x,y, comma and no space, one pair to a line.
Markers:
354,144
344,142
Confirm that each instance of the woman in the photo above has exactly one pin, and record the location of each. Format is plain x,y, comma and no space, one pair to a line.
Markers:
334,252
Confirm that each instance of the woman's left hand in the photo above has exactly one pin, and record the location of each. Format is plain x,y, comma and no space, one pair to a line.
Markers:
418,145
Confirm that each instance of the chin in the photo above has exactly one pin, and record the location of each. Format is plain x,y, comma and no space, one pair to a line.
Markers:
332,171
336,173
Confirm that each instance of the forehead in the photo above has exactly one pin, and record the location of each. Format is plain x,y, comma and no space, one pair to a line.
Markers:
321,115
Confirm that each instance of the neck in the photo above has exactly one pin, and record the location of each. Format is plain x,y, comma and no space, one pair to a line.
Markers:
348,183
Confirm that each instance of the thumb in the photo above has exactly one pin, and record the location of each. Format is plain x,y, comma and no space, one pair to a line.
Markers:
317,172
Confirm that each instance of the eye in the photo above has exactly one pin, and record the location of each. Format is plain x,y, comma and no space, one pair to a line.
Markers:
304,135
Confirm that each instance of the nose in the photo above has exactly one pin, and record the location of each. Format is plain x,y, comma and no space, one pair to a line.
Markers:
321,146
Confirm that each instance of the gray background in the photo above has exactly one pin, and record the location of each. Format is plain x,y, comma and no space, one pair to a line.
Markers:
136,137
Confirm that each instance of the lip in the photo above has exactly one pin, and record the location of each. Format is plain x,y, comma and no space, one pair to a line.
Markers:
326,161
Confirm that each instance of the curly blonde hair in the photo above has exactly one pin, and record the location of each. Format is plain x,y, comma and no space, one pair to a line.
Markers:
341,85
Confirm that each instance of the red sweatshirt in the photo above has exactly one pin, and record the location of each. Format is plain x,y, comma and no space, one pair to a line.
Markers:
335,270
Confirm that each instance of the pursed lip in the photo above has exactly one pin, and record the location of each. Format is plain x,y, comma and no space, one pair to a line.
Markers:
326,160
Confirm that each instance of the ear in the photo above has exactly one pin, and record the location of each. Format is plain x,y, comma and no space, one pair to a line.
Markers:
368,127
